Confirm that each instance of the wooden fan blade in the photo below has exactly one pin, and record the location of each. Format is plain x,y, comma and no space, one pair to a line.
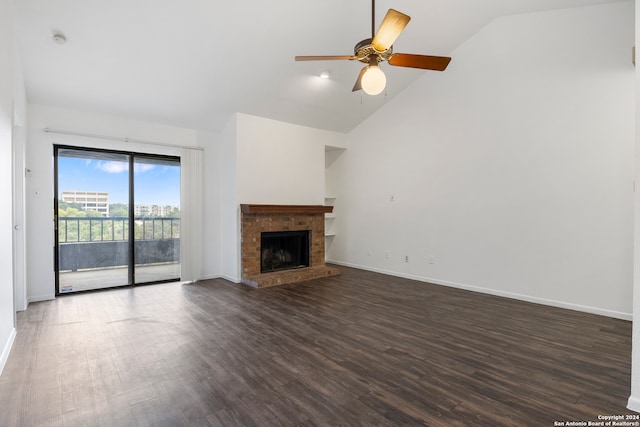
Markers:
325,58
436,63
391,27
358,85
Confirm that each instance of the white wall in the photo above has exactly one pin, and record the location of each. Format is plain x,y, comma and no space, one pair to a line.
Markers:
7,330
268,162
12,105
19,140
211,204
229,202
281,163
40,285
510,173
634,399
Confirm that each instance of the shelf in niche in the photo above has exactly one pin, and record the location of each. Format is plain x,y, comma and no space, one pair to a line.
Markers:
328,148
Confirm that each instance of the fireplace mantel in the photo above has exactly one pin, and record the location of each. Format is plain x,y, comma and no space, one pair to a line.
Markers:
285,209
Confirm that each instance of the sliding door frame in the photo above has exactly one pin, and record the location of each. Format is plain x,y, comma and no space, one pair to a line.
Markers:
132,155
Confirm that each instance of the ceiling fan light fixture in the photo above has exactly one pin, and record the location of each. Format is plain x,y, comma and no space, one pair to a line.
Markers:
373,80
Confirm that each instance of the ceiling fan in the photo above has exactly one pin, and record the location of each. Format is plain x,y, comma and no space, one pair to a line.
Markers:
379,48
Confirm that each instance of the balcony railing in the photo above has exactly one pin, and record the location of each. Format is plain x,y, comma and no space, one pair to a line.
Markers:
101,229
101,242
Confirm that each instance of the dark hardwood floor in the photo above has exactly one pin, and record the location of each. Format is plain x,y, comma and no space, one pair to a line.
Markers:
358,349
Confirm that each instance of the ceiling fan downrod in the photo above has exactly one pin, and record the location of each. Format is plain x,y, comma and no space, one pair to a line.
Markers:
373,18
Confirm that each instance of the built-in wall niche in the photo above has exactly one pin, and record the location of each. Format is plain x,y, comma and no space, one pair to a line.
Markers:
331,155
329,229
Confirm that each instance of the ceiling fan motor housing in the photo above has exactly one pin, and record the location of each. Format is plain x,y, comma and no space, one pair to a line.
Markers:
364,49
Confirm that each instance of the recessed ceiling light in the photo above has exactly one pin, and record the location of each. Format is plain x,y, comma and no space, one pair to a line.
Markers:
324,75
59,38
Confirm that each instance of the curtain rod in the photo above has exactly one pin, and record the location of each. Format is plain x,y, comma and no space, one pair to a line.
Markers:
117,138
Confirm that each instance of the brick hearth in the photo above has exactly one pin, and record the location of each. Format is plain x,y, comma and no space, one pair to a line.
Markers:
264,218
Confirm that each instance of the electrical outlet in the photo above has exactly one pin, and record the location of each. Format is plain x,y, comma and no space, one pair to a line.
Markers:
431,259
406,258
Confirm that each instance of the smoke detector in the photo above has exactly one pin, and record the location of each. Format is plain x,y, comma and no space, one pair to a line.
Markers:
59,38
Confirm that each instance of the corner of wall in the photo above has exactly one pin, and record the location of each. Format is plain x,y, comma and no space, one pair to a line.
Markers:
633,403
4,356
230,250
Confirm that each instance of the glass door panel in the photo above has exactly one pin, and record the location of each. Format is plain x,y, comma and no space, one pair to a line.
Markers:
156,218
92,220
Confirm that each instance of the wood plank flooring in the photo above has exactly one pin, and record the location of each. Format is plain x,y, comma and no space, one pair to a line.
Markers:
357,349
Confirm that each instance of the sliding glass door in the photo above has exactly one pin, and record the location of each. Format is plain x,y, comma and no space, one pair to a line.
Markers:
92,220
117,219
157,218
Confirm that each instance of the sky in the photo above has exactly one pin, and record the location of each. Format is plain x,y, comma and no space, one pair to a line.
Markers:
154,184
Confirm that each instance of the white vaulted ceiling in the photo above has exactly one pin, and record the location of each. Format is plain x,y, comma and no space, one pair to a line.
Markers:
192,63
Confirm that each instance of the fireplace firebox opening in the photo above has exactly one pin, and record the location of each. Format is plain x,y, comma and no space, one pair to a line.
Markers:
284,250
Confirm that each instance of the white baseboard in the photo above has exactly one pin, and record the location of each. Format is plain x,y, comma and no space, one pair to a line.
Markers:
231,279
210,276
36,298
221,276
7,349
495,292
633,403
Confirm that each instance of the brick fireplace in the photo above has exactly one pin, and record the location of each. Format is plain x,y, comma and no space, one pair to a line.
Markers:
259,219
